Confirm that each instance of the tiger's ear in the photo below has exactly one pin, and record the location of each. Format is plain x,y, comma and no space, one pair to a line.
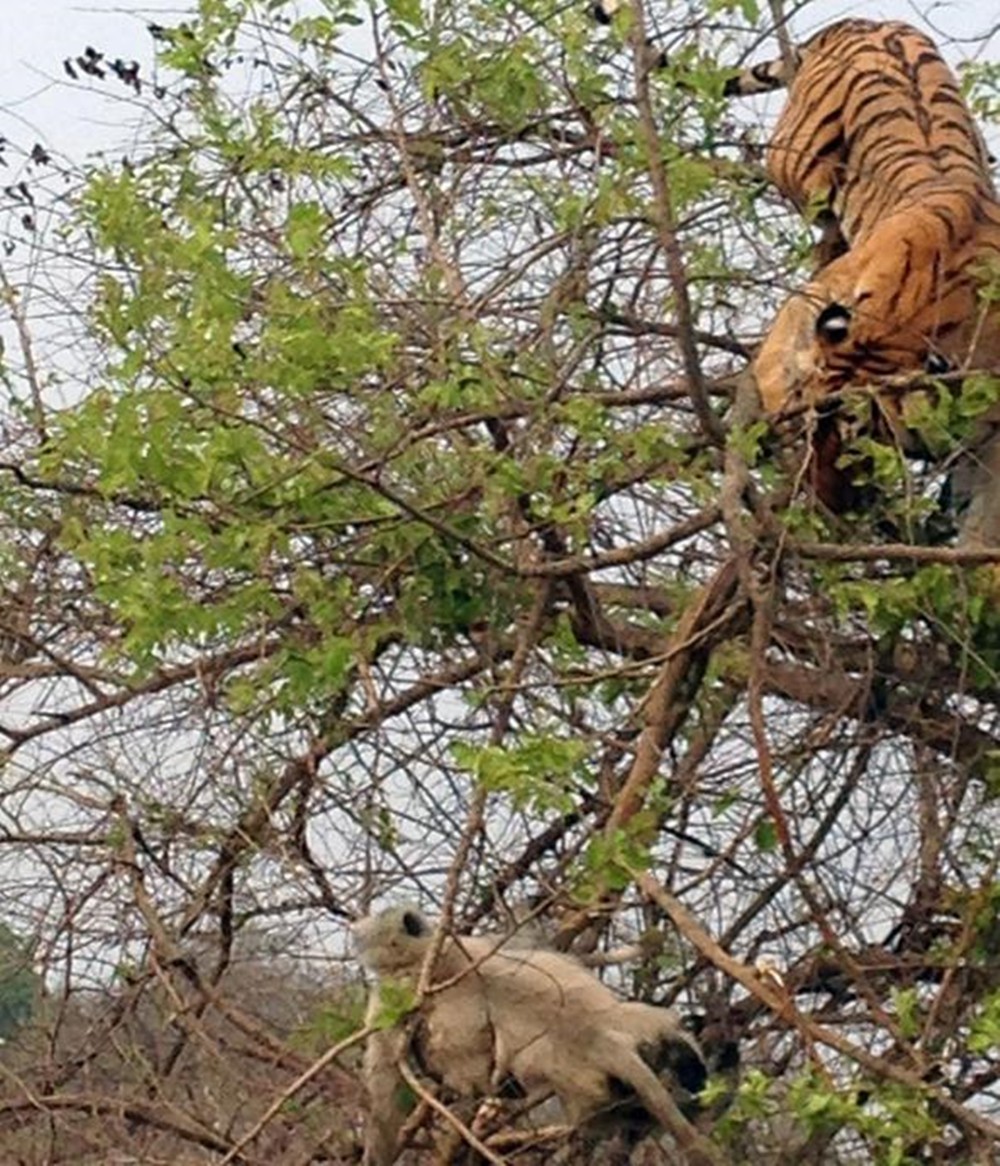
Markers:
833,324
603,10
937,365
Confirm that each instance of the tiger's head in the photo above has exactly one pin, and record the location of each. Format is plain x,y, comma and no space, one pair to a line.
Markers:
904,300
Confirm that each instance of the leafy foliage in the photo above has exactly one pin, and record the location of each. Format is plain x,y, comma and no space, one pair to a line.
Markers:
372,540
20,985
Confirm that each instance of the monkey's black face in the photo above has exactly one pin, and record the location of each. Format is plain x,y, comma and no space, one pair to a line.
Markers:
414,925
680,1058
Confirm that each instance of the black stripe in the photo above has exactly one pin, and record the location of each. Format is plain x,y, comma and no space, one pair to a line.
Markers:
762,78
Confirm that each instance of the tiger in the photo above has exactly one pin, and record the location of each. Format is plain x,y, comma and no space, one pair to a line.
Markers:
903,301
891,148
873,114
875,133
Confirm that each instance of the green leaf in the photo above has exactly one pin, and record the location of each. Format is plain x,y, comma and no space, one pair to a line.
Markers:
396,1000
538,771
907,1005
307,224
766,836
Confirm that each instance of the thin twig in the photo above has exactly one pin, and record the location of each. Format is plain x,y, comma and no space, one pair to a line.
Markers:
290,1091
665,219
425,1095
784,1007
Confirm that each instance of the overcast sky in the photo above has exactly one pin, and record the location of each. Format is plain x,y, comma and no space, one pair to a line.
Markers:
38,100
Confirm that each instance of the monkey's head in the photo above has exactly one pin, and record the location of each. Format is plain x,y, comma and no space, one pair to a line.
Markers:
394,940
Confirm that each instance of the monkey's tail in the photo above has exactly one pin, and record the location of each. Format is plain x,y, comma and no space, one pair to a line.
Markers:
634,1072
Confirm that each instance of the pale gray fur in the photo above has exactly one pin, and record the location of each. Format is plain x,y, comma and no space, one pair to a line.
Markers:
534,1015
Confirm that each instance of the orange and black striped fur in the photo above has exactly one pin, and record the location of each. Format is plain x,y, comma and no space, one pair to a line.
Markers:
874,118
876,136
876,129
873,114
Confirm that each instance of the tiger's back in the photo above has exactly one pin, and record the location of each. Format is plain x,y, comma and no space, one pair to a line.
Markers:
874,117
874,120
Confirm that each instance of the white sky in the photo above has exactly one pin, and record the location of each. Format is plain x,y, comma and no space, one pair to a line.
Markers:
39,102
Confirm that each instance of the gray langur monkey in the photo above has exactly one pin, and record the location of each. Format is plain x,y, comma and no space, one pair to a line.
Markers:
528,1015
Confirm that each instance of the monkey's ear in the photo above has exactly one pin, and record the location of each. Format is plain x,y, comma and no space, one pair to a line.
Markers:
413,924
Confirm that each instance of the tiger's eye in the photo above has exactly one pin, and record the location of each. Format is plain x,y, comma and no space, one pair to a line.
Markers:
833,323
